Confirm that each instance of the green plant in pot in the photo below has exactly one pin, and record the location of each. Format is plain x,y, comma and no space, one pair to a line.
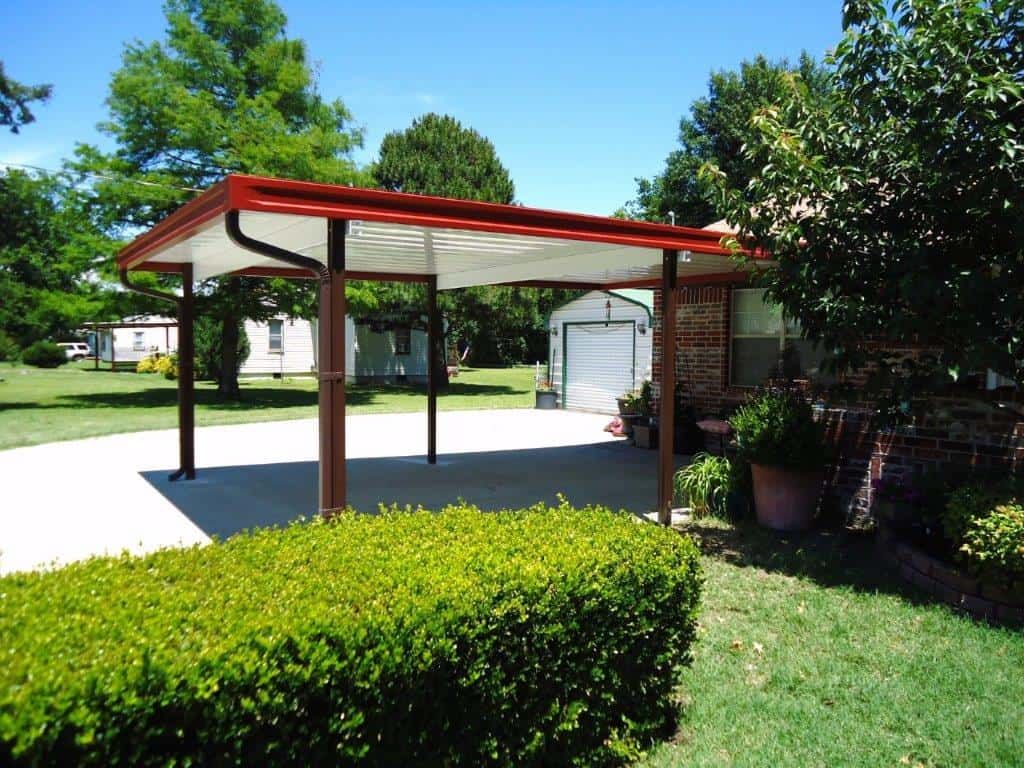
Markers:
785,447
706,483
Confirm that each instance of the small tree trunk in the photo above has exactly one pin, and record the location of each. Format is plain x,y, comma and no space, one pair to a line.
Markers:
227,386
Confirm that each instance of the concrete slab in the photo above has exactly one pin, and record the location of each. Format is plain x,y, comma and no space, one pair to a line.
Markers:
66,501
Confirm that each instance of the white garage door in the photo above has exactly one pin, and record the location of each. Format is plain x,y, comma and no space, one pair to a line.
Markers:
598,365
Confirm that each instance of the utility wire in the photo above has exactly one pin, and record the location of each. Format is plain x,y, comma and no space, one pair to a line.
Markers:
105,177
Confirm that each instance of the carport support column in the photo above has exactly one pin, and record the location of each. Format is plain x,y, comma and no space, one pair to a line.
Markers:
331,364
433,361
186,377
666,395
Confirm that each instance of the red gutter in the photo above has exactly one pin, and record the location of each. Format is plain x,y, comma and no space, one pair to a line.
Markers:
254,193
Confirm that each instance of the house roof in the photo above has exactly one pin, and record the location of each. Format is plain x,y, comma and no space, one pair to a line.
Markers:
397,236
641,296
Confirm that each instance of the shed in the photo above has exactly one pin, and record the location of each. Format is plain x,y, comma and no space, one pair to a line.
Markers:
600,346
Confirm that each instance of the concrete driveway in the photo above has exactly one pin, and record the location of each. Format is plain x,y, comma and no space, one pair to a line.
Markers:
64,501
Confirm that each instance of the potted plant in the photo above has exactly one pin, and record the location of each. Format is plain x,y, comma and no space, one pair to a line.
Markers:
777,435
546,398
705,483
631,410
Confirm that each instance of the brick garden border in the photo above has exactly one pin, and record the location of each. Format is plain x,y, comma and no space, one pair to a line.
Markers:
950,586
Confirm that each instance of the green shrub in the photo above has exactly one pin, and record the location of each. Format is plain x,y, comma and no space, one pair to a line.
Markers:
993,546
777,428
975,500
43,354
706,482
210,344
8,347
537,637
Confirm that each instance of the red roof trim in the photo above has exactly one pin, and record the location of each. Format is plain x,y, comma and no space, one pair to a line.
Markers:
254,193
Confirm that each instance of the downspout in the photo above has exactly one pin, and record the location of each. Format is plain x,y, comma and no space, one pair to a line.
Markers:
242,240
186,349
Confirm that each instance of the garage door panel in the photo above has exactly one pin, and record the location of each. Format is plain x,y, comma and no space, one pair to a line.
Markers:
599,365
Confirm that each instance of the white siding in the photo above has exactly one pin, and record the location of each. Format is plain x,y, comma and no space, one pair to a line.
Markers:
591,308
367,354
296,355
154,339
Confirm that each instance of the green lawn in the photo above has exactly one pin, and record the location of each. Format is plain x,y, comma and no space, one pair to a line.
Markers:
809,654
41,406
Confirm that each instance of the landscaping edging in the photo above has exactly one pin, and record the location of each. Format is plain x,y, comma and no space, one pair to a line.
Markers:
939,580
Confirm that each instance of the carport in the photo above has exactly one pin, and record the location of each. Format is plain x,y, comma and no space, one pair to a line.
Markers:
261,227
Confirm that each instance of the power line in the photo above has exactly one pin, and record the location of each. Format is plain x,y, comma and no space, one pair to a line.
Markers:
104,177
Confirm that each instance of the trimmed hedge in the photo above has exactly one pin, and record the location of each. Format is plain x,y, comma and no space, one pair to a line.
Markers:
44,354
535,637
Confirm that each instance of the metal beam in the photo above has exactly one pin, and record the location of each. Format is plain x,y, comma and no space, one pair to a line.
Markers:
667,392
434,361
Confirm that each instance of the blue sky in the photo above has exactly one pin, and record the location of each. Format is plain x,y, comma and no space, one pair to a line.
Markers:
578,98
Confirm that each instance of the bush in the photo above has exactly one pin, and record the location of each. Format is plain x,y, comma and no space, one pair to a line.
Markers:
8,347
167,366
975,500
777,428
43,354
706,482
537,637
209,345
146,365
993,546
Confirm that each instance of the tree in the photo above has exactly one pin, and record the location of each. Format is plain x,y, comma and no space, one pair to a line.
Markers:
437,155
895,209
15,99
226,91
49,257
715,131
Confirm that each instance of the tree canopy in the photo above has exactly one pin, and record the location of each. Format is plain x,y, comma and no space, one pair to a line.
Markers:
226,91
15,99
895,208
437,155
714,132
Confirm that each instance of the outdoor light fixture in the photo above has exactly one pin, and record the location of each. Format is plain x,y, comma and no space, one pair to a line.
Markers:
642,328
608,311
685,257
554,330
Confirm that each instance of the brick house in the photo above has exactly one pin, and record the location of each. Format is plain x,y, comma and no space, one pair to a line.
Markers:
728,341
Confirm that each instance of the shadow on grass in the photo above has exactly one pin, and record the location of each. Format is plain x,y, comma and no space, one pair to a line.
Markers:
829,558
253,398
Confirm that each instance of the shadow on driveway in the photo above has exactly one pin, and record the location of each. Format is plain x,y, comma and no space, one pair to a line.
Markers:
225,500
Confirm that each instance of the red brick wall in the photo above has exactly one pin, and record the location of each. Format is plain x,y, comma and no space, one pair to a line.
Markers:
958,433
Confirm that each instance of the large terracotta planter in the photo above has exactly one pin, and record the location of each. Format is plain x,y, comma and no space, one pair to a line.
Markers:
784,499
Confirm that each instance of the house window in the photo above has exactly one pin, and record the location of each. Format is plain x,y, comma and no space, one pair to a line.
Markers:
767,345
403,341
275,328
139,341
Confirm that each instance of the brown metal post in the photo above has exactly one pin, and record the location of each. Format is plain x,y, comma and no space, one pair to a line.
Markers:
186,376
667,393
433,361
113,351
331,362
96,345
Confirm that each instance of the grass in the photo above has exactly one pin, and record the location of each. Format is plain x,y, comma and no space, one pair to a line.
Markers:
809,653
74,401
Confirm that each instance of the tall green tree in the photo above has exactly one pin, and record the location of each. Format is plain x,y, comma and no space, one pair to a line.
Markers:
15,99
50,257
226,91
715,131
437,155
895,209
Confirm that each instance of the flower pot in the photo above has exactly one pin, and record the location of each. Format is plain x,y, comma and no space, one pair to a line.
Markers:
645,435
785,499
546,399
623,408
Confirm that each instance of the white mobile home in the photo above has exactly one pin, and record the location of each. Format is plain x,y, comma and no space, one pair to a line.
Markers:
134,338
599,347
